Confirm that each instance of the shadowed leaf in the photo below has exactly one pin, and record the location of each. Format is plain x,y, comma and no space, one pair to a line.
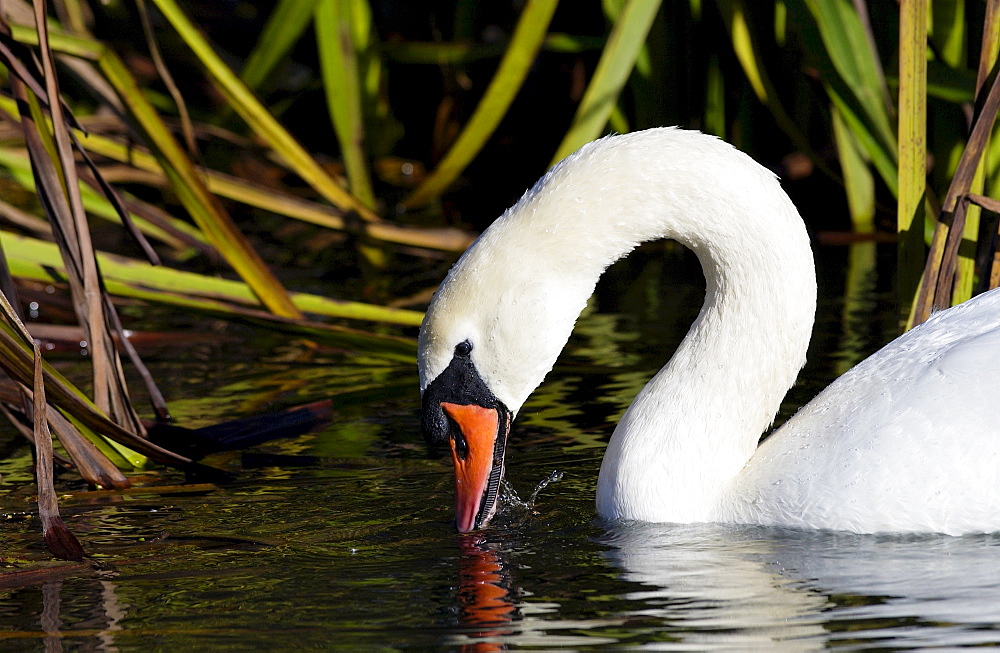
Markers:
616,63
284,26
507,81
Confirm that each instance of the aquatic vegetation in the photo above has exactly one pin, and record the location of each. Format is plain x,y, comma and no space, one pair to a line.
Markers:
314,172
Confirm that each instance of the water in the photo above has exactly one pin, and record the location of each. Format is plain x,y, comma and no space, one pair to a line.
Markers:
342,539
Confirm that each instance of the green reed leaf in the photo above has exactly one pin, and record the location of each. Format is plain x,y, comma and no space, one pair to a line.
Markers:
912,158
282,31
612,72
37,259
839,45
510,76
205,209
246,104
335,24
858,180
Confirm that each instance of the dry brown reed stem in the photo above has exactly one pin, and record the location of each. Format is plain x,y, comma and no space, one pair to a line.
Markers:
61,542
54,167
939,271
168,80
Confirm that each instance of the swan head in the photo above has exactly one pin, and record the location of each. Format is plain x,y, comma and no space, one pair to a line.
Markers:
480,356
460,409
490,335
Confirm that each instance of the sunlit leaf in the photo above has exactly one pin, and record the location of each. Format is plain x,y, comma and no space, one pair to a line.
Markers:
507,81
341,70
242,99
617,60
206,211
858,181
35,259
912,147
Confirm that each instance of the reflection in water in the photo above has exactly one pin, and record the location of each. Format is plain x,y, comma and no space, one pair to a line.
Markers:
484,594
78,613
714,589
494,613
715,586
49,620
114,611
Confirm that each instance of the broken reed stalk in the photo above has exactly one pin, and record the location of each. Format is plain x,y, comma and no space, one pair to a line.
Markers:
54,169
939,271
61,542
73,235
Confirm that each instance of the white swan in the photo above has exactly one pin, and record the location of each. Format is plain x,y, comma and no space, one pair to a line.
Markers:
908,440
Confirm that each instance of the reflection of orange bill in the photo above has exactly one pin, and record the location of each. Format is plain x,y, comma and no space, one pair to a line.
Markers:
475,462
484,592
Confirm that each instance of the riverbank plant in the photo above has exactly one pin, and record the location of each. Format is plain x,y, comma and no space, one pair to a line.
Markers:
376,139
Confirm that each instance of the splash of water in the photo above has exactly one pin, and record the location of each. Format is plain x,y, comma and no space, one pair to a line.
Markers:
512,511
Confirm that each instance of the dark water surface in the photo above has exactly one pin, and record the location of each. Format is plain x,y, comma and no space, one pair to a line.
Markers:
342,539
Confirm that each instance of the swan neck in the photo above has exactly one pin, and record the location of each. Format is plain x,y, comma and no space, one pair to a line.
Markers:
694,426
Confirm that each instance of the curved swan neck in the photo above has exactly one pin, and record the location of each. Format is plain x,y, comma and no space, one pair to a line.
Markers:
697,422
530,274
694,426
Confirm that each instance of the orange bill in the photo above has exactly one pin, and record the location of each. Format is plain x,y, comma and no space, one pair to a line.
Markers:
473,458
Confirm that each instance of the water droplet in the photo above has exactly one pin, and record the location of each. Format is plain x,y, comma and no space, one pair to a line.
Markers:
512,510
555,476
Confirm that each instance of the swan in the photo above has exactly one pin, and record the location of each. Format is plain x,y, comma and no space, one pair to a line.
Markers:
906,441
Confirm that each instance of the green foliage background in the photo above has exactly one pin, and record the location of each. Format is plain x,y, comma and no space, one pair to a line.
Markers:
353,148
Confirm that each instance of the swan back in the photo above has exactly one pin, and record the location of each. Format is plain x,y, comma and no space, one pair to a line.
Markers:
907,440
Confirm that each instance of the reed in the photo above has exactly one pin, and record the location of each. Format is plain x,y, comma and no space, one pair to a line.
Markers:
625,42
950,269
511,73
775,77
912,146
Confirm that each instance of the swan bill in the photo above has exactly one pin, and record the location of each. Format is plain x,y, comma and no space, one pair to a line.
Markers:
459,409
477,450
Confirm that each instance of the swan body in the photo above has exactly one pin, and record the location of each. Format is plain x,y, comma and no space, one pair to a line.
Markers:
906,441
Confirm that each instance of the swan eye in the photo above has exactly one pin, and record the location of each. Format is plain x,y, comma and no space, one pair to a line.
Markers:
463,348
461,444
